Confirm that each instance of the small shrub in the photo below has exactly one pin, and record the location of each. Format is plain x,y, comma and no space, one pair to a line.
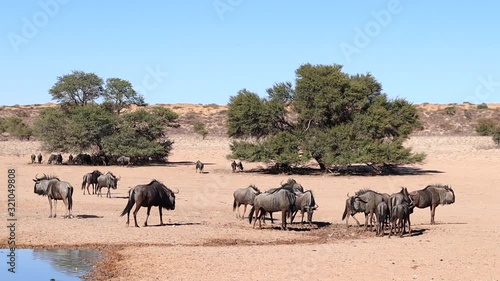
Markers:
450,110
496,135
486,127
468,114
200,128
482,106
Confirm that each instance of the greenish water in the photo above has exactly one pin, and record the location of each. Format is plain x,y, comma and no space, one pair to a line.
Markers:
57,264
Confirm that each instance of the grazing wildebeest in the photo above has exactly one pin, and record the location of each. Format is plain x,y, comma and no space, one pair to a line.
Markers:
240,166
382,215
70,159
432,196
244,196
33,158
281,200
39,158
366,201
400,214
52,159
199,166
234,166
90,179
123,161
148,195
55,189
348,212
304,202
108,180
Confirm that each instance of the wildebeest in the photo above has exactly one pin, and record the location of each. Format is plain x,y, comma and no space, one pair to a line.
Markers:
398,198
244,196
304,202
108,180
148,195
348,212
70,159
90,179
52,159
234,166
400,214
382,215
83,159
240,166
293,186
55,189
432,196
59,159
281,200
39,158
33,158
199,166
123,161
366,201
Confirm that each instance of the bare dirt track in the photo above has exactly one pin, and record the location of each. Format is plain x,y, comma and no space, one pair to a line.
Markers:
203,240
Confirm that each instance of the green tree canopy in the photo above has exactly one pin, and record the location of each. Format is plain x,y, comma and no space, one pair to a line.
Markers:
330,116
120,94
77,88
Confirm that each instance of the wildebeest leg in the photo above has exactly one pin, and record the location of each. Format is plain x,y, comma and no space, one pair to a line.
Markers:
137,207
50,204
292,217
366,221
244,210
55,208
433,212
65,201
147,216
109,192
256,217
283,219
161,215
409,225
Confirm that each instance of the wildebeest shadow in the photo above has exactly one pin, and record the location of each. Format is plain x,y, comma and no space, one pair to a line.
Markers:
418,232
88,217
120,197
174,224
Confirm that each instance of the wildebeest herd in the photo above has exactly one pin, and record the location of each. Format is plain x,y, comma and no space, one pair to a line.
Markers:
381,210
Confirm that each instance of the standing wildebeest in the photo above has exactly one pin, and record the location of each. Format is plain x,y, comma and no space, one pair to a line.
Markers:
90,179
83,159
199,166
304,202
123,161
293,186
39,158
281,200
70,159
398,198
400,214
108,180
33,158
382,215
234,166
55,190
52,159
152,194
432,196
366,201
348,212
59,159
240,167
244,196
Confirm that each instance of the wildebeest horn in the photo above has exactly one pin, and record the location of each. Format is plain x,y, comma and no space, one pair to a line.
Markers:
177,191
281,183
348,194
37,178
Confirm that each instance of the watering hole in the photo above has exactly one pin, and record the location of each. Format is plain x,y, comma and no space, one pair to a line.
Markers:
46,264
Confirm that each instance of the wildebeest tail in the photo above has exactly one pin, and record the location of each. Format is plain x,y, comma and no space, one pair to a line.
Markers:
84,181
234,205
70,198
130,203
292,198
251,214
345,211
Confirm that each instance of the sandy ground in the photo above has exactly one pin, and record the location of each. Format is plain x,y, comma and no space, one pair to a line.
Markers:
203,240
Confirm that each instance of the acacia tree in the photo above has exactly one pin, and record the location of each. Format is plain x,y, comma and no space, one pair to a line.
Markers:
77,88
331,117
120,94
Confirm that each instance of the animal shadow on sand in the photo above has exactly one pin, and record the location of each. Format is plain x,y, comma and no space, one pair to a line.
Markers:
88,217
298,226
352,170
174,224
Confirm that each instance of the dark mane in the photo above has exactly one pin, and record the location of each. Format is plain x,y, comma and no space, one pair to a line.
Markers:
49,177
445,186
111,174
254,188
363,191
153,181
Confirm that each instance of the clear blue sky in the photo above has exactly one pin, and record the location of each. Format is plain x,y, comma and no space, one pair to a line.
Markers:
204,51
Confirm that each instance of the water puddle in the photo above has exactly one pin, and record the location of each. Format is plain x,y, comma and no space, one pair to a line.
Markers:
47,264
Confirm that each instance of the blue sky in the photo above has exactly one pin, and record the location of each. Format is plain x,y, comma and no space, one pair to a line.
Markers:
204,51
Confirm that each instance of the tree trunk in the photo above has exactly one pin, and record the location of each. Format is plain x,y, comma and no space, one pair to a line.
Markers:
322,165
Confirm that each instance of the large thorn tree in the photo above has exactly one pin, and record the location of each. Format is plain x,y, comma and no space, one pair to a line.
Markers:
77,88
330,116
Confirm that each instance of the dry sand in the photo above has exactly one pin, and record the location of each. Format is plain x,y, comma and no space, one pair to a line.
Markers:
204,241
